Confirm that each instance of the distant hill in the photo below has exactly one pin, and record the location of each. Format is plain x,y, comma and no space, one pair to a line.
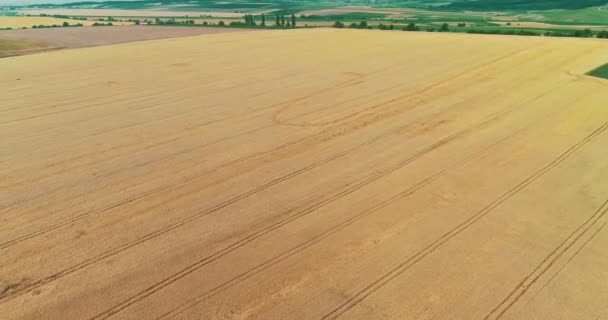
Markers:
490,5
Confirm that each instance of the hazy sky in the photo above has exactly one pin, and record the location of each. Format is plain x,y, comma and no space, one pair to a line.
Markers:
26,2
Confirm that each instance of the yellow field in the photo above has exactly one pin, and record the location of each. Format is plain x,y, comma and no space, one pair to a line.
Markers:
137,13
28,22
306,174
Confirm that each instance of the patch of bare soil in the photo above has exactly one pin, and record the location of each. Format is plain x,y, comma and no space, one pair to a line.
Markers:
98,36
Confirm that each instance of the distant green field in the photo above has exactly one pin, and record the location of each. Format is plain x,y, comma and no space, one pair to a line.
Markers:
559,12
597,15
201,5
601,72
492,5
351,16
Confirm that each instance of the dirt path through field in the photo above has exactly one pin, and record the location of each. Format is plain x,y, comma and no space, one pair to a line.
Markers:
306,174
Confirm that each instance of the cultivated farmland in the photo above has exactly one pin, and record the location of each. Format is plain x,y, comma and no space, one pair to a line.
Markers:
15,47
28,22
135,13
306,174
90,37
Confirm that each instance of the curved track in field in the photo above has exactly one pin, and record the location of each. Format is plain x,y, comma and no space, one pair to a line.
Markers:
344,175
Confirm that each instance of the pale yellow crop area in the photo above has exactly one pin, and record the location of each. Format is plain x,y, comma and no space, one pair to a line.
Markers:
136,13
306,174
29,22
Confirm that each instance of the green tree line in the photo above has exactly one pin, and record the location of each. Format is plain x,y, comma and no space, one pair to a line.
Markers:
585,33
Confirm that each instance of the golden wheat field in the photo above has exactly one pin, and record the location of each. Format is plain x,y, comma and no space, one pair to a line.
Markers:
306,174
137,13
29,22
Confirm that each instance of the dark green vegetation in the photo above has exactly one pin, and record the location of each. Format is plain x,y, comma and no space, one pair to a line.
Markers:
568,18
64,25
601,72
462,28
99,24
252,21
248,21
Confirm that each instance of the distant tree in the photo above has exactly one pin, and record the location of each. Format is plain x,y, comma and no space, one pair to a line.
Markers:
249,20
338,24
444,28
411,27
583,33
221,23
282,20
293,20
363,25
65,24
263,23
588,33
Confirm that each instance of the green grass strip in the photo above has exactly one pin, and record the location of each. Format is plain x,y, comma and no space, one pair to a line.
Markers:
601,72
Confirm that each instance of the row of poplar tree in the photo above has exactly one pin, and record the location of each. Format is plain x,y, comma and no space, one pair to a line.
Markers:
280,21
